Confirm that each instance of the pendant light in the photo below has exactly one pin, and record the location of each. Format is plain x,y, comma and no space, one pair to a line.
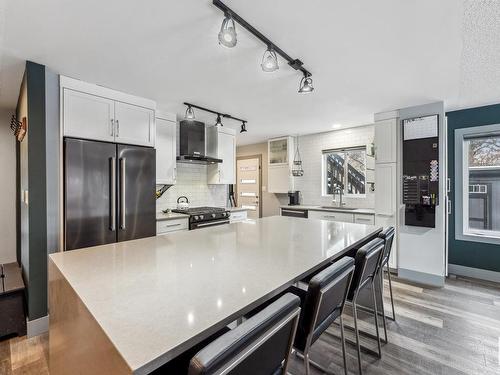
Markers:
306,85
297,170
243,127
189,113
227,33
269,61
219,121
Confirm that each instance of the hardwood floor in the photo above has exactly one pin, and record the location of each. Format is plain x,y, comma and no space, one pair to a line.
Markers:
453,330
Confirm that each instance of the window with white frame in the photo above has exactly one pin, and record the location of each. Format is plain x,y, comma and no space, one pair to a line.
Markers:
345,169
481,173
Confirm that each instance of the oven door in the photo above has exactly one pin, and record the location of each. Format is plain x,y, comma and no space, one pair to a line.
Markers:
206,224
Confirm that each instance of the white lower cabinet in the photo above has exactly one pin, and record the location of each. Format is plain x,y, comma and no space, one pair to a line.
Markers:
332,215
364,219
238,216
169,226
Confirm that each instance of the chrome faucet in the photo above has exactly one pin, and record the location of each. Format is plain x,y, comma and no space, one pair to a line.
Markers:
338,189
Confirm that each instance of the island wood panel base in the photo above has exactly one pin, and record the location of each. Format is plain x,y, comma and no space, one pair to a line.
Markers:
77,345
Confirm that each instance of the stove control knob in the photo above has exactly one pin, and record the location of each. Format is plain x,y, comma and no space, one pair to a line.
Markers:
223,214
213,215
201,217
196,217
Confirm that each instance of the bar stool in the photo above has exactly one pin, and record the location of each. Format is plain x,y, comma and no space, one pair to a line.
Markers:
388,236
322,304
366,265
260,345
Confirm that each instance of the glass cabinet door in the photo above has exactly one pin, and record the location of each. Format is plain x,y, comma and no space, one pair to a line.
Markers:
278,151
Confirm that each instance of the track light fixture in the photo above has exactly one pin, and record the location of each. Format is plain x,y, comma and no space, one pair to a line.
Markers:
189,113
269,61
306,85
227,37
219,121
243,127
227,33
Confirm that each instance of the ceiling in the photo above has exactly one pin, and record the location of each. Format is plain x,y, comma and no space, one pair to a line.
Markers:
365,56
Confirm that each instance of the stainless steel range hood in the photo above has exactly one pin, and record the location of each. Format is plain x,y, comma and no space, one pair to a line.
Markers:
192,146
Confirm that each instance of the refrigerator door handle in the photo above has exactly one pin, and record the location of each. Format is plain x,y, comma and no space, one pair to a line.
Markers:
112,215
122,193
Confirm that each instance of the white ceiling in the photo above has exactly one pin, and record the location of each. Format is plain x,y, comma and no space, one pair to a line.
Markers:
366,56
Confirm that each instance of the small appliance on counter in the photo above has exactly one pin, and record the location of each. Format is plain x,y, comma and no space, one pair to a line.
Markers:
182,203
201,217
294,198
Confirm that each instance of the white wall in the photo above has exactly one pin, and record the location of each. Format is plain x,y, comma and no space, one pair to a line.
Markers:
192,183
7,189
311,146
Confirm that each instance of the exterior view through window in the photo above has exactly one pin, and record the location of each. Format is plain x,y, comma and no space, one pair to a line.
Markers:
346,170
482,171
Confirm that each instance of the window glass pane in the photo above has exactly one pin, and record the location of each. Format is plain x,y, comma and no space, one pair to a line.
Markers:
346,170
484,184
356,172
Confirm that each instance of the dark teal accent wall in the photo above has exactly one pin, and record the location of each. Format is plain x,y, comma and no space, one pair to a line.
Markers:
466,253
37,288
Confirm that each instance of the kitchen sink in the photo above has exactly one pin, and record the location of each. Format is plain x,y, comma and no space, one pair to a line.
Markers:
339,208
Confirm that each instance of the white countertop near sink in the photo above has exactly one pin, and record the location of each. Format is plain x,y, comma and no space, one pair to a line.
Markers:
368,211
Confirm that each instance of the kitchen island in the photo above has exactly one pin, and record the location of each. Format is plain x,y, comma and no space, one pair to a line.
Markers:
130,307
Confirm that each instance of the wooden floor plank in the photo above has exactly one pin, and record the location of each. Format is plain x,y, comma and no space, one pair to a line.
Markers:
449,331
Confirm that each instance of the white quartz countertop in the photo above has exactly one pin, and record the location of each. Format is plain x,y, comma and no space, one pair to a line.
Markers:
157,296
369,211
170,216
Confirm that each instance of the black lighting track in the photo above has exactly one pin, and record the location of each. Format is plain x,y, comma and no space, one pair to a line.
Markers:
225,115
294,63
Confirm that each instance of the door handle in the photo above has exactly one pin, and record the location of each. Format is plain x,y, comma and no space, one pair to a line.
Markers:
111,127
122,193
112,224
117,128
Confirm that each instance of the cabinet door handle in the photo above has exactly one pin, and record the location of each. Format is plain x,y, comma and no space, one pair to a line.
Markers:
122,193
117,128
111,127
172,225
329,216
362,219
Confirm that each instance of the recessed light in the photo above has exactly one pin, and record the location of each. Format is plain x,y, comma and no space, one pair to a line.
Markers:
336,126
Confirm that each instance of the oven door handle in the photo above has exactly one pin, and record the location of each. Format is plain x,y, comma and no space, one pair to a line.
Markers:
212,223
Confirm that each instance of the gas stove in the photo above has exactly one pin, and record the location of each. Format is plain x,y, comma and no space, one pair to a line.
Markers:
202,217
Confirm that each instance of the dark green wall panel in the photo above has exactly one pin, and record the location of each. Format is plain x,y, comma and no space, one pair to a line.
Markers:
466,253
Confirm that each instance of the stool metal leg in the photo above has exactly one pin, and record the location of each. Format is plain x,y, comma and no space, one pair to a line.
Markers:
383,307
376,319
355,316
390,291
343,344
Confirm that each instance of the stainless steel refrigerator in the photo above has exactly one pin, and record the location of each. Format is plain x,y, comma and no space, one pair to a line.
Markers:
109,193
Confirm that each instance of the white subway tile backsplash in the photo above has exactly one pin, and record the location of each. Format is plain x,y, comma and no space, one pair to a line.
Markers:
311,147
192,183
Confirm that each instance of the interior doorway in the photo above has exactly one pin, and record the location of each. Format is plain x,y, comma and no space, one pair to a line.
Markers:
249,185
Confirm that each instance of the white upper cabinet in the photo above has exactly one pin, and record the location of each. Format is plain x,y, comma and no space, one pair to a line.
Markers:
385,141
134,125
166,149
221,144
88,116
94,112
279,171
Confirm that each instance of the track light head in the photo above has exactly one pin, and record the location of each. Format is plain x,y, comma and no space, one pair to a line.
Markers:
219,121
269,61
243,127
227,33
189,113
306,85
